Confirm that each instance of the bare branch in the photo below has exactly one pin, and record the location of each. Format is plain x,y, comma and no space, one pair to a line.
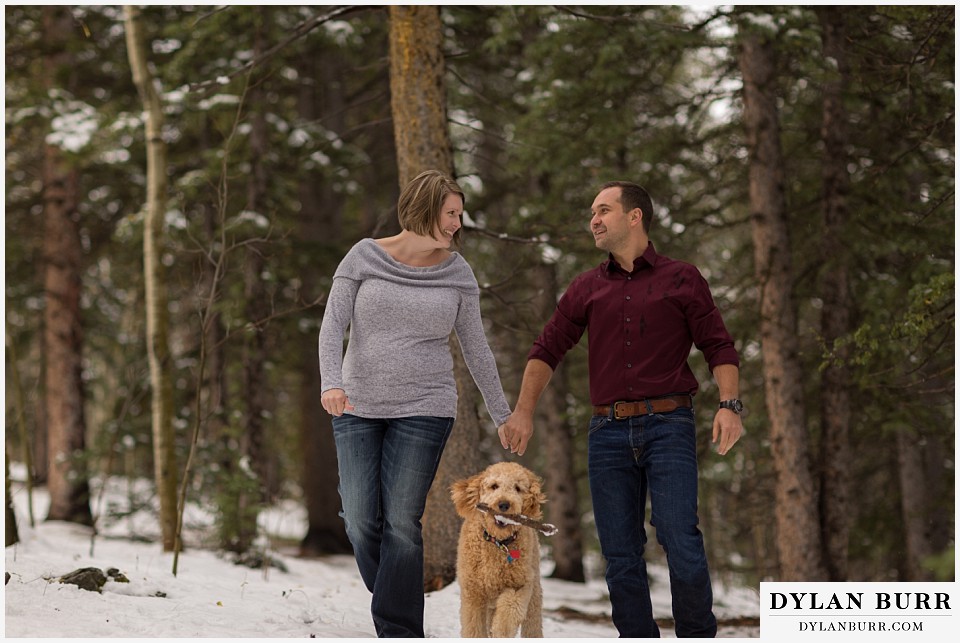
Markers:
503,236
301,30
619,19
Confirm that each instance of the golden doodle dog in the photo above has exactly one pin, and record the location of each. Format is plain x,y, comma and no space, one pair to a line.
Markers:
498,559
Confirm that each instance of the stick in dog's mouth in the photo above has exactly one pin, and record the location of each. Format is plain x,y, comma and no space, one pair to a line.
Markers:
503,520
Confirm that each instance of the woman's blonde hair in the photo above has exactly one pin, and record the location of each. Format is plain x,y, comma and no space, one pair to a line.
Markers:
418,208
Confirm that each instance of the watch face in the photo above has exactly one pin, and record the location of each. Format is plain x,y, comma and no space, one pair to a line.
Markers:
734,405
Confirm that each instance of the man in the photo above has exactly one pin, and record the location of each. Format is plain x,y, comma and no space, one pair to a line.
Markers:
644,312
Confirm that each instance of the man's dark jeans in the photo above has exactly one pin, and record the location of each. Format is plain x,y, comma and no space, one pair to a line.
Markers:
627,458
386,469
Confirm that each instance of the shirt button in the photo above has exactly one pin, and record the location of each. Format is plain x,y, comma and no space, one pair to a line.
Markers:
628,319
629,365
628,343
628,297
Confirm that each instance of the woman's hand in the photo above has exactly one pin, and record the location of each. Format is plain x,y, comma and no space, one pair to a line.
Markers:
335,402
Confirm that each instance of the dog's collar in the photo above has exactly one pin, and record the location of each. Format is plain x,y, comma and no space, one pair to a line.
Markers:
498,542
504,545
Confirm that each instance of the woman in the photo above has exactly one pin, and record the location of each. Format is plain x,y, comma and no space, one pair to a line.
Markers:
392,395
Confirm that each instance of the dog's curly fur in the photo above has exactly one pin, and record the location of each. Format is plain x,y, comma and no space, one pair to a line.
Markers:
498,597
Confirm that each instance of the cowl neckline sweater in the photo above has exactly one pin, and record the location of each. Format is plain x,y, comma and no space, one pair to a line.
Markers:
397,362
369,259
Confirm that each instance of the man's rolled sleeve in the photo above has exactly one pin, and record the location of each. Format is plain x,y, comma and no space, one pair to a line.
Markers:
710,334
562,332
726,355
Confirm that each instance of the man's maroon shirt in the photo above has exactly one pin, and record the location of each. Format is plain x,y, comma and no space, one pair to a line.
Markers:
642,326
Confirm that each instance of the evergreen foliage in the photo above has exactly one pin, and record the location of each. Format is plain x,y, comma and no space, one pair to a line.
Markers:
545,103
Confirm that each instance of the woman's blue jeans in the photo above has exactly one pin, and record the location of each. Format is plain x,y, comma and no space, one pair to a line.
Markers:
627,459
386,469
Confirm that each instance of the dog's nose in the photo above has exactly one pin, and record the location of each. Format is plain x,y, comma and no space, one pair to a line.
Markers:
503,506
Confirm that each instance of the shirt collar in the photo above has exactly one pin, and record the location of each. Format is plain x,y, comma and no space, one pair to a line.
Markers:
647,260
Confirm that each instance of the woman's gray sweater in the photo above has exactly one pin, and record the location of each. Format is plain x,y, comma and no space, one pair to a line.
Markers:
398,361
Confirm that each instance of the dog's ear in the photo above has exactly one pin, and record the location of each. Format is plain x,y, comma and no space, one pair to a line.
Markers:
534,498
466,494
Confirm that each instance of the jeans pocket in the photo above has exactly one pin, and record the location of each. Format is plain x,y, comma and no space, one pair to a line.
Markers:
597,422
680,417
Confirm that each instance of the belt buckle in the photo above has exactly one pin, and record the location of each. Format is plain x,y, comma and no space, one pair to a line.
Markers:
616,411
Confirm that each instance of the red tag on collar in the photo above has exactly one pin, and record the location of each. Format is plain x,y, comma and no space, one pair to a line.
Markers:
515,554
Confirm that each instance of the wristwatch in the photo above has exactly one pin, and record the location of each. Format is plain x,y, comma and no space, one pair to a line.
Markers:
734,405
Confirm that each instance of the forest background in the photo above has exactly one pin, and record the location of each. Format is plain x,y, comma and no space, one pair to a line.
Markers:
181,182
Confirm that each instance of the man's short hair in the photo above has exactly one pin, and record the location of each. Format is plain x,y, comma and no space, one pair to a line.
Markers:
633,196
418,208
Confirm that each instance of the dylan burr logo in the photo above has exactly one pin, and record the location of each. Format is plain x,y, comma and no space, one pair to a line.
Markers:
851,609
854,600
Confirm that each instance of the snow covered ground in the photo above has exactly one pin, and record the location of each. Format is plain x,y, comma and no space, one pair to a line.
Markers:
210,597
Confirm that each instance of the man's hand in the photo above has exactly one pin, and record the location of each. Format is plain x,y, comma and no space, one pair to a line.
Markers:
727,427
515,433
335,402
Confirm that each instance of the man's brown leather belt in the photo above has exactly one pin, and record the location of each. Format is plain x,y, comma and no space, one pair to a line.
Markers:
623,410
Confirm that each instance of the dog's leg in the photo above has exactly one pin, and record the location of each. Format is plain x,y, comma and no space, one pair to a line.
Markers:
488,619
474,622
532,627
511,611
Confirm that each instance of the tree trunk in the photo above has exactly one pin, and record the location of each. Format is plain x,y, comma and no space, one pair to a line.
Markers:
41,432
418,97
157,322
62,334
798,530
215,390
320,230
558,447
19,403
835,319
418,103
255,293
10,534
461,457
214,337
914,504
